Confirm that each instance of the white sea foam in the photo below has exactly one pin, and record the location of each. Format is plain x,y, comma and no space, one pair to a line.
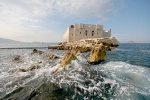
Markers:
119,80
124,79
131,78
145,51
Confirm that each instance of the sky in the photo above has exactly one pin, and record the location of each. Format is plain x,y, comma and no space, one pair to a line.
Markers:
47,20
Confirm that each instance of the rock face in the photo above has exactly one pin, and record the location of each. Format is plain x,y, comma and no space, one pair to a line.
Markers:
31,68
37,51
51,56
97,55
86,44
46,91
68,57
17,58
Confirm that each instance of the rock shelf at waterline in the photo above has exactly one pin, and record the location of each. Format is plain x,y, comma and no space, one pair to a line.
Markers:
97,48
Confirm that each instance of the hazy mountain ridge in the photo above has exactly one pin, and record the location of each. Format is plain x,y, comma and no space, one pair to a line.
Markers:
3,40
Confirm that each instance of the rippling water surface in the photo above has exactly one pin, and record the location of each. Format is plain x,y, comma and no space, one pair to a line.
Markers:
125,74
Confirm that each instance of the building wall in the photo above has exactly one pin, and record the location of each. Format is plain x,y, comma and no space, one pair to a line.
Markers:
66,36
107,33
71,34
83,31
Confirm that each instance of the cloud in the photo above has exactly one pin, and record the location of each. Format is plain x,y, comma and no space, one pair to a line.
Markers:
21,13
83,8
25,10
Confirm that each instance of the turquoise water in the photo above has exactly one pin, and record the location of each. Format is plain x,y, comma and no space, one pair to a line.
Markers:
137,54
124,75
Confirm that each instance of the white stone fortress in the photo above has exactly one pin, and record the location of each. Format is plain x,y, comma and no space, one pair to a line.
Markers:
84,31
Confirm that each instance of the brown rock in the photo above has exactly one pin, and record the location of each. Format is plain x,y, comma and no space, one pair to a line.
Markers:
55,47
97,55
37,51
31,68
75,51
68,57
22,70
51,56
34,66
17,59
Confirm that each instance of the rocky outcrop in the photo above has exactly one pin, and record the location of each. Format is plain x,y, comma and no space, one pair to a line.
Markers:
68,57
35,51
96,46
31,68
17,59
45,91
51,56
54,47
87,44
97,55
111,41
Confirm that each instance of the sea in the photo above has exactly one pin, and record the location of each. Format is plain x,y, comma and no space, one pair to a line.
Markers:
123,75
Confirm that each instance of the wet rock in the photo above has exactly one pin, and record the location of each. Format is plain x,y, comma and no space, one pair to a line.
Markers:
34,66
17,58
84,49
35,51
22,70
31,68
51,56
46,91
97,55
68,57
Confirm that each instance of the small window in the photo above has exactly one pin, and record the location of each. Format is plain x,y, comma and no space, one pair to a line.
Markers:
92,33
72,26
80,32
86,32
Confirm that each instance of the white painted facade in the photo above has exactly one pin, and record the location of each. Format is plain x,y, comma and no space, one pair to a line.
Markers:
84,31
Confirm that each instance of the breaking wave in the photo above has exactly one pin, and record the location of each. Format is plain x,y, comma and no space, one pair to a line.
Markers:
115,78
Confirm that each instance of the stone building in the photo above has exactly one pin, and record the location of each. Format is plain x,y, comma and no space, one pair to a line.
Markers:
84,31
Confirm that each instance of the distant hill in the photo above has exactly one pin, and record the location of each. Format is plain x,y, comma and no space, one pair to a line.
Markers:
131,42
2,40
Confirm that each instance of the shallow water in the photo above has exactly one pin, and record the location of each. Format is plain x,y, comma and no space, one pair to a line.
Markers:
123,75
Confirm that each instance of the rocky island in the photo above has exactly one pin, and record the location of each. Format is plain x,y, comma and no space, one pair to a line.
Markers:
97,48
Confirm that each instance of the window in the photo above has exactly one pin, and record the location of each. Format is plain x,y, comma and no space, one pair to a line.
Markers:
72,26
92,33
80,32
86,32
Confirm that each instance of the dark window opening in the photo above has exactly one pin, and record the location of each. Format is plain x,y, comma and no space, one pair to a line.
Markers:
80,32
92,33
86,32
72,26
